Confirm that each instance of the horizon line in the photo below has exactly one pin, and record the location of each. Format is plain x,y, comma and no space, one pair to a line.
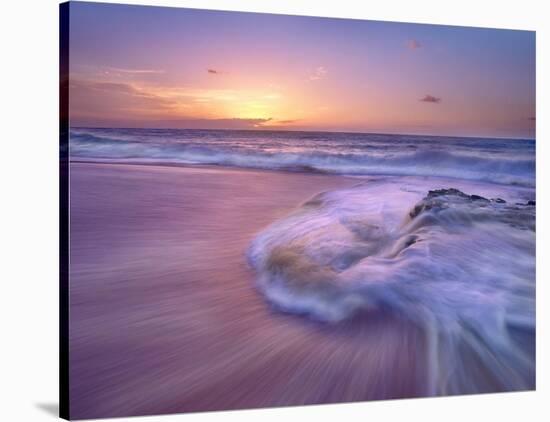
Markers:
310,131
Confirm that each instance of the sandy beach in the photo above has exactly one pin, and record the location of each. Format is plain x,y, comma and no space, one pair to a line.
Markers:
164,307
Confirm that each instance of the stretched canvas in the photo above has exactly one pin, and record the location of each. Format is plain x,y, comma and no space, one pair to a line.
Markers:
263,210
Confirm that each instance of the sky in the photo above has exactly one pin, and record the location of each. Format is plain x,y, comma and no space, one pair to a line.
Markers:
154,67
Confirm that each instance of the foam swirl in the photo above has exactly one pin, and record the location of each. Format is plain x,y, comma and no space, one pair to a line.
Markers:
461,266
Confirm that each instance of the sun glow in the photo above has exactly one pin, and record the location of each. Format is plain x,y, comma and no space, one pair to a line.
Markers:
369,80
220,103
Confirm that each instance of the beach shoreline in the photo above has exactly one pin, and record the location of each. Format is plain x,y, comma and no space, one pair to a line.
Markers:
162,301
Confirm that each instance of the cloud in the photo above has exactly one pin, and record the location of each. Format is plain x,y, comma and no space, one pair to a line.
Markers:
286,122
85,70
179,123
213,71
121,88
134,71
413,44
118,104
319,73
109,99
257,122
113,88
430,99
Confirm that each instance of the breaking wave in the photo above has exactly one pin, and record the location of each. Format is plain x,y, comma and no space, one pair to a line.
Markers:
460,266
500,161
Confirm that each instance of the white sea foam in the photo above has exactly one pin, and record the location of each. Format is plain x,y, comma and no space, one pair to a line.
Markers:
493,160
460,266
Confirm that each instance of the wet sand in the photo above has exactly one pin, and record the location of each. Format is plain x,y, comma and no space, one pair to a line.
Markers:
165,316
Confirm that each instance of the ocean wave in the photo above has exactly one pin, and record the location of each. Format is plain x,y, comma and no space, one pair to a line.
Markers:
460,266
502,165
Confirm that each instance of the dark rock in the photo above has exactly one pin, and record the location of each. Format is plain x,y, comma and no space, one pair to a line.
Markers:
455,192
473,208
418,208
442,192
528,203
478,198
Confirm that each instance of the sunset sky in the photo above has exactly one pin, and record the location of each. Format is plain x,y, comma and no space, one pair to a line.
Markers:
133,66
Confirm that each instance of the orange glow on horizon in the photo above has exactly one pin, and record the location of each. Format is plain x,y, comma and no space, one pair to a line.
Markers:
201,72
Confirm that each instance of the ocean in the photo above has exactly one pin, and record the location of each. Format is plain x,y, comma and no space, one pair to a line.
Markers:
509,161
439,231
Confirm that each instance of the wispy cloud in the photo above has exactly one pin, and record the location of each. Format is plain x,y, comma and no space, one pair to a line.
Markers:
319,73
213,71
118,104
413,44
178,123
430,99
286,122
104,99
114,88
134,71
109,72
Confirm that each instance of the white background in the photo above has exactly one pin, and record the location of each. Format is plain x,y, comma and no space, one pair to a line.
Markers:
29,209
